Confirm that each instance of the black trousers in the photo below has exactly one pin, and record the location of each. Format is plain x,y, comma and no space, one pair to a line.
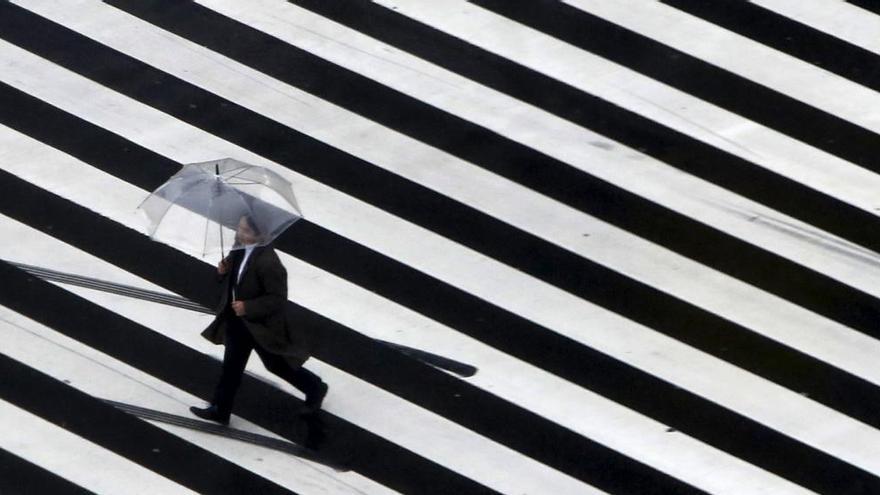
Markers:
239,344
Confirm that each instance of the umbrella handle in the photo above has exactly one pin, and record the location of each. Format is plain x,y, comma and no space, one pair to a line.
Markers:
222,252
219,224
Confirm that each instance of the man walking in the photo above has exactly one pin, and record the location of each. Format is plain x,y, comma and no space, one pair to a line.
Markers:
251,316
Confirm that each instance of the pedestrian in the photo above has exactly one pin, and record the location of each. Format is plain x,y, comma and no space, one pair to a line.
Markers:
251,316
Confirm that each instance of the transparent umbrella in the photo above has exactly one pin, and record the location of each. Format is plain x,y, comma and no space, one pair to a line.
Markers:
199,208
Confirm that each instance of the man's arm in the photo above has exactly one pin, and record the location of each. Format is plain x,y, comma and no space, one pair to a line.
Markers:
223,268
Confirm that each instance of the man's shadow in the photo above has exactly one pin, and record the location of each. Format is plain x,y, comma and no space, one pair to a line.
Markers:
319,436
316,431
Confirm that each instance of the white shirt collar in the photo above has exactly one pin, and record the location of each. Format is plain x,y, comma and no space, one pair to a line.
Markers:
247,252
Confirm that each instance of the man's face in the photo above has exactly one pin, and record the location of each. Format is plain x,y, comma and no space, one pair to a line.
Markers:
245,234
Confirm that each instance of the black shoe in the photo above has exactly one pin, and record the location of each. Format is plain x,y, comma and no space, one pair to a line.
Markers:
211,413
313,401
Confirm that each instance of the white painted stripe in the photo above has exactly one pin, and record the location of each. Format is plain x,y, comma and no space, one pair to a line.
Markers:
101,376
407,157
608,423
835,17
350,398
628,89
658,183
545,132
752,60
405,73
604,417
661,373
624,430
399,154
72,457
648,178
731,299
607,245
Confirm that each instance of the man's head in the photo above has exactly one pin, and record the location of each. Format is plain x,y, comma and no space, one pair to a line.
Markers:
248,232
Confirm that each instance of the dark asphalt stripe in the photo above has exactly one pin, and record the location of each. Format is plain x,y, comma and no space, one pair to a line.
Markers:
181,302
88,142
341,171
753,265
196,373
361,95
682,410
694,423
434,390
225,431
787,367
138,441
713,84
495,418
497,154
469,406
667,145
869,5
20,477
788,36
606,288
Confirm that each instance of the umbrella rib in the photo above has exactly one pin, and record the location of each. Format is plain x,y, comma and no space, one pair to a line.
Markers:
205,242
161,217
172,201
240,170
182,190
242,182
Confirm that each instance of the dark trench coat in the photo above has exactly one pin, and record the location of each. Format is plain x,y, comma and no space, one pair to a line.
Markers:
263,288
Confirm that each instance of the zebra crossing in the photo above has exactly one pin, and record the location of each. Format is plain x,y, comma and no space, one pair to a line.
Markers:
648,225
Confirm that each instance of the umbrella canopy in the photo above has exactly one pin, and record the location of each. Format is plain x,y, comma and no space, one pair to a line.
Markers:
209,207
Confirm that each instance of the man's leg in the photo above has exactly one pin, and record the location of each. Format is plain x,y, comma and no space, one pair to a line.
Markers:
304,380
239,344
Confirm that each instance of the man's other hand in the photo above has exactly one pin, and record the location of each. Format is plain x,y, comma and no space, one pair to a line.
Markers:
238,307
